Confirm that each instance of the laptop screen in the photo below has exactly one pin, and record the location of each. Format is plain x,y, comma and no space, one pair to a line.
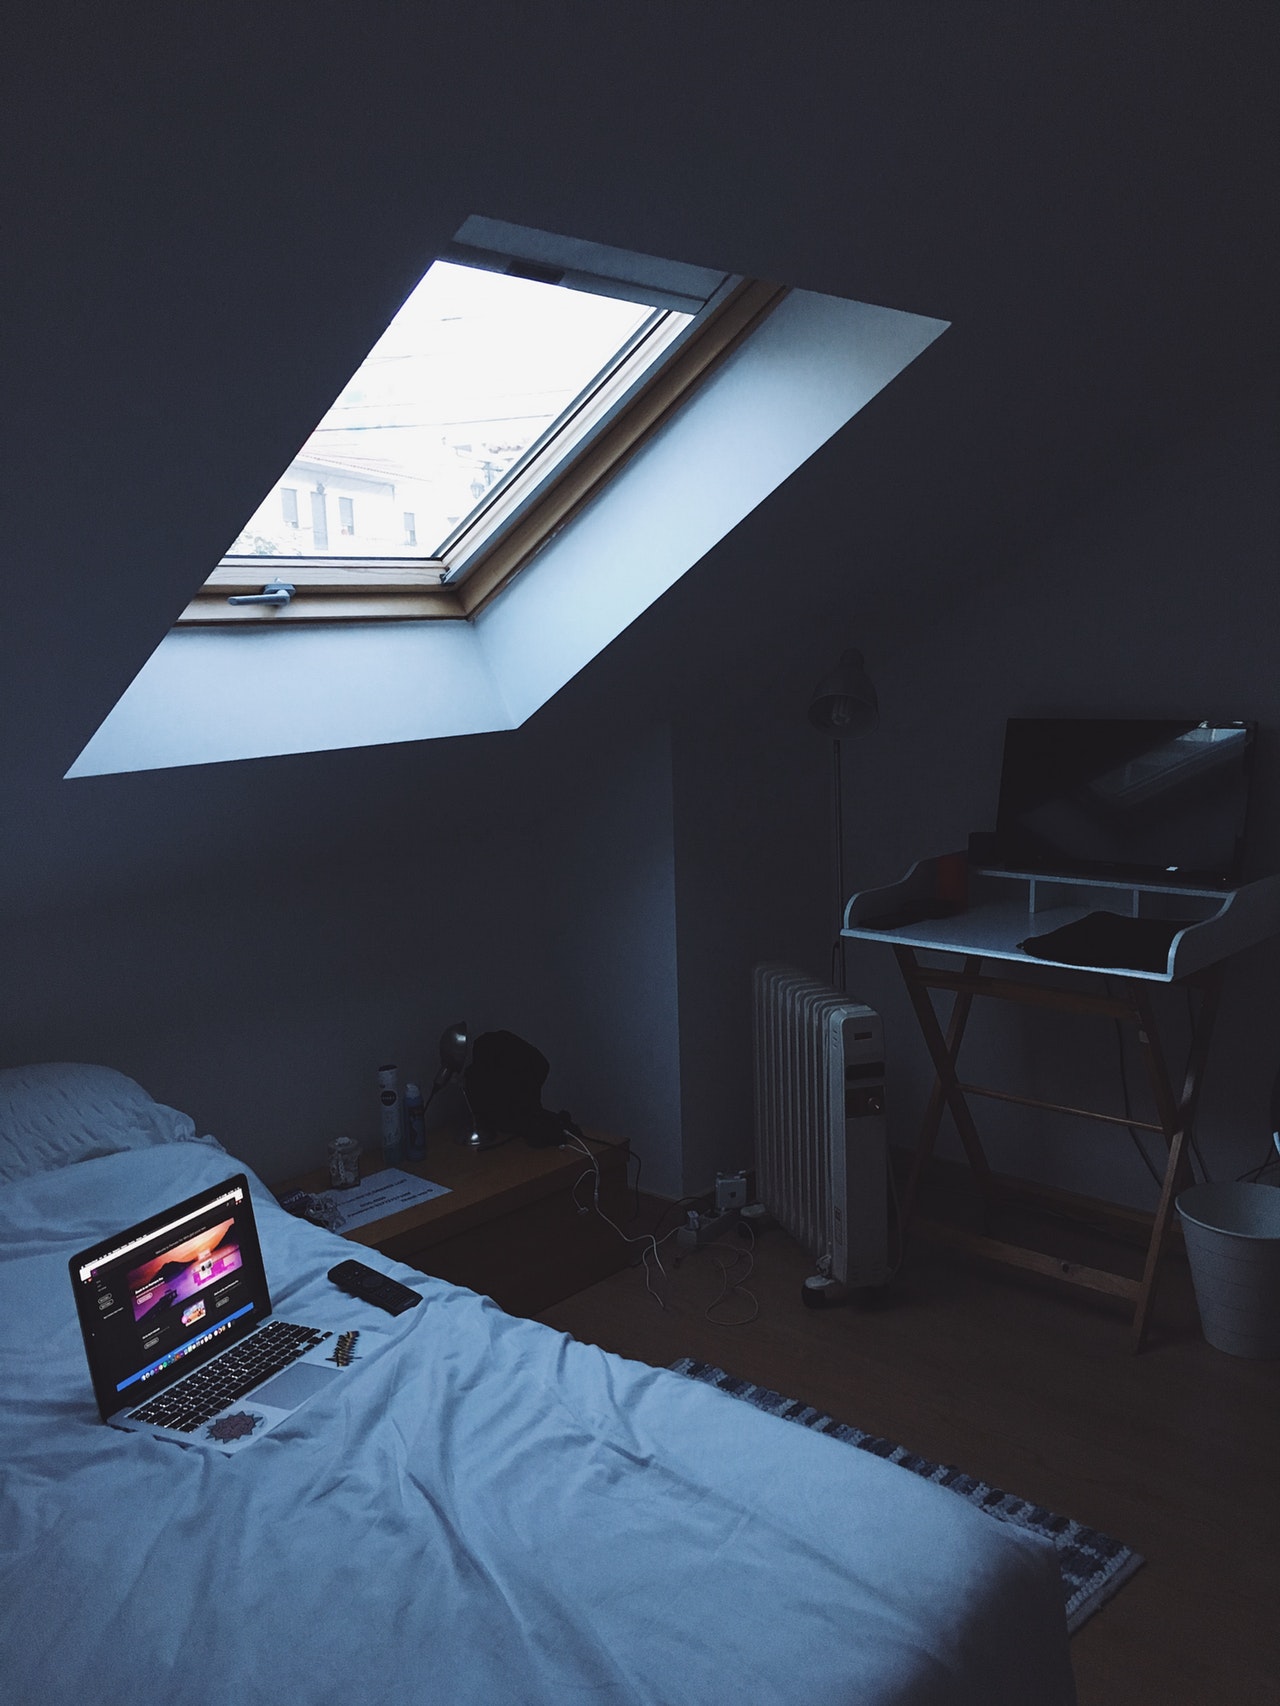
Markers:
162,1297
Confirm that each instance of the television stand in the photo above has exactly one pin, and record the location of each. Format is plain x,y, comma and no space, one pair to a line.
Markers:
945,906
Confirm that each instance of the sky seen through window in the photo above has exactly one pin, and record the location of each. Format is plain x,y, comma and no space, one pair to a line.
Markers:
469,375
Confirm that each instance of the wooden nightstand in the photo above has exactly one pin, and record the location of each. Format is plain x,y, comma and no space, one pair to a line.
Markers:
508,1227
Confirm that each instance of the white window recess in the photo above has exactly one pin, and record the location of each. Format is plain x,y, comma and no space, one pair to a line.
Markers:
213,695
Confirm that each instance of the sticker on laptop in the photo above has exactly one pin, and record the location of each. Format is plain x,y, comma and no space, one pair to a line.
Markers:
237,1426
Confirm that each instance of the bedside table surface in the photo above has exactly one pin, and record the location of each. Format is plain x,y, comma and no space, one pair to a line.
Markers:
481,1183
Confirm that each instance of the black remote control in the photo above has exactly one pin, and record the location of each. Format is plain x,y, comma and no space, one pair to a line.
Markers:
372,1287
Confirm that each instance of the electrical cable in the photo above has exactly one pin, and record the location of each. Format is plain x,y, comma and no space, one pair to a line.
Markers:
1191,1024
607,1148
646,1240
1128,1106
650,1243
1192,1144
897,1221
1252,1176
727,1287
633,1155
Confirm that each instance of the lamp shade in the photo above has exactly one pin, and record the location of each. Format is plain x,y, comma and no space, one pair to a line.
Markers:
845,702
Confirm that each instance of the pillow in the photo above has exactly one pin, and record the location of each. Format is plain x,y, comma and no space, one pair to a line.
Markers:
57,1113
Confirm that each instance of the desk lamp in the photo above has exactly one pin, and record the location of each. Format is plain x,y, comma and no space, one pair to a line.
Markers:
453,1056
843,703
453,1061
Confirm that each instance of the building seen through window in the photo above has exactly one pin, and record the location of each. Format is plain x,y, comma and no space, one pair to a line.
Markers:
519,376
471,373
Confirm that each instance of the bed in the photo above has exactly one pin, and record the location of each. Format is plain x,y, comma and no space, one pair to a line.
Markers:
485,1512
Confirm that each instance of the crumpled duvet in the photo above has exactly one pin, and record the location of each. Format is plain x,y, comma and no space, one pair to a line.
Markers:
482,1512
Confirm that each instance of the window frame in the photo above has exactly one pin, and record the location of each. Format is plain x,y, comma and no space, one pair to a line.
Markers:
537,504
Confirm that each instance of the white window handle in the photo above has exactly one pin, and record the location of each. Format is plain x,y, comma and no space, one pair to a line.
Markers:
275,592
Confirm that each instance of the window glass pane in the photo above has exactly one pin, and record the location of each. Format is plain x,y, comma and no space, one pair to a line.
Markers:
470,373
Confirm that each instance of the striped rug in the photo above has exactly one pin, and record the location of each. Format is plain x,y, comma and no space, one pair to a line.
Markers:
1093,1565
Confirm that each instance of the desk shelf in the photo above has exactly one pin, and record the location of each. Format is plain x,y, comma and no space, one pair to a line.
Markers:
1003,908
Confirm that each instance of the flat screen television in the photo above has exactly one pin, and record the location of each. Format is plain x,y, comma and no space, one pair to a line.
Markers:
1147,801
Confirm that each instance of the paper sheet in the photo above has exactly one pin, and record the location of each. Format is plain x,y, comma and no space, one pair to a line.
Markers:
381,1194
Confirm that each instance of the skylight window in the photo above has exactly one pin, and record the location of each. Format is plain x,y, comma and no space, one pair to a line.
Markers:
518,373
790,379
465,382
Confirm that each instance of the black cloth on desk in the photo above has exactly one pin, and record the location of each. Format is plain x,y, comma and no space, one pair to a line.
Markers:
1109,939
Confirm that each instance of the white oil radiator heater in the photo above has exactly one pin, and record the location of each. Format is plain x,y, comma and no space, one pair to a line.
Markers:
821,1144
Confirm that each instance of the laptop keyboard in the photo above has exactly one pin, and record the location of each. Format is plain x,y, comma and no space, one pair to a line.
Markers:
191,1402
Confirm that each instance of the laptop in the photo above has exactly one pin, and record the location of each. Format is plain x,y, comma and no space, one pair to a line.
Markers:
177,1325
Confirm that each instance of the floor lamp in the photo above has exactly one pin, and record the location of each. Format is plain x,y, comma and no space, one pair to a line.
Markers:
843,703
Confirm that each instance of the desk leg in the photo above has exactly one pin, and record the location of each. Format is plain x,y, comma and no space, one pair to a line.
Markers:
1177,1120
943,1051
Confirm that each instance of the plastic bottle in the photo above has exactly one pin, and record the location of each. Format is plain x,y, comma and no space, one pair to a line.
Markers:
415,1124
391,1115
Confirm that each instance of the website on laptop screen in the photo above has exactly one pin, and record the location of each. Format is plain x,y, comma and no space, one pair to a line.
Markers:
166,1295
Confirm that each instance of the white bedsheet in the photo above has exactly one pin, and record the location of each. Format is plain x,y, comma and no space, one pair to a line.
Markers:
485,1512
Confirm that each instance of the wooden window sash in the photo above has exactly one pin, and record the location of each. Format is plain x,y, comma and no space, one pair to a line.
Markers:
582,478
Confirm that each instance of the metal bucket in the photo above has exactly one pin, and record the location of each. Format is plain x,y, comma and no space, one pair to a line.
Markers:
1233,1244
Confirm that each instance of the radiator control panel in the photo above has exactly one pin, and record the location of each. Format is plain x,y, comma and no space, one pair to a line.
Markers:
863,1085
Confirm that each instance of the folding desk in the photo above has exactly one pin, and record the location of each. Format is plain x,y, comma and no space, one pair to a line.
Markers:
946,906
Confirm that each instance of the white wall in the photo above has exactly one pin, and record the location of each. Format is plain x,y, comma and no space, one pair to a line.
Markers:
261,999
1159,599
814,364
587,949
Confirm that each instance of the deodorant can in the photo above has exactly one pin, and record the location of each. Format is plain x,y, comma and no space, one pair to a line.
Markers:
390,1113
415,1121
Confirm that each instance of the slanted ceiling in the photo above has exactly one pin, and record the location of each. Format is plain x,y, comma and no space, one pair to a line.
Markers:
216,209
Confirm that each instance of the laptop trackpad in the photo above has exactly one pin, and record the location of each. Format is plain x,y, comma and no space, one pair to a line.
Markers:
294,1385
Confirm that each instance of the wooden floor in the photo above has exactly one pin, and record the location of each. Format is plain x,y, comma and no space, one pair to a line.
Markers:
1176,1451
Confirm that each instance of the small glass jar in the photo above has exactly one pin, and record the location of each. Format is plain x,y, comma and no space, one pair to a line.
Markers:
344,1163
